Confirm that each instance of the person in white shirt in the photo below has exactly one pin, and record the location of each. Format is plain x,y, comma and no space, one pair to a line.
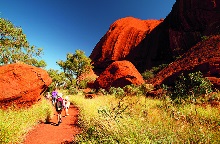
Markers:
67,105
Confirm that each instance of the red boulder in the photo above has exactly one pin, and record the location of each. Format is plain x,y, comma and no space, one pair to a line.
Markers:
119,74
21,85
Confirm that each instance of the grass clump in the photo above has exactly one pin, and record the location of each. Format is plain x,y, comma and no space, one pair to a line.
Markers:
14,124
137,119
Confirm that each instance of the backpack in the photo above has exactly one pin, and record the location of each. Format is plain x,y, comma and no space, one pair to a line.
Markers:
59,104
54,94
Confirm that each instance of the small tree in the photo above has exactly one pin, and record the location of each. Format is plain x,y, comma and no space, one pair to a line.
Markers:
14,46
58,78
75,65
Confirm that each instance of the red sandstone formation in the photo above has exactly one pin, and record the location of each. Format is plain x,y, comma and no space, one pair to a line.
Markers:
22,85
148,43
186,25
204,57
200,16
119,74
123,37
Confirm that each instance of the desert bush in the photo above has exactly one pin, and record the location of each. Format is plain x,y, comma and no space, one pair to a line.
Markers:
118,92
137,90
102,91
148,74
190,87
73,90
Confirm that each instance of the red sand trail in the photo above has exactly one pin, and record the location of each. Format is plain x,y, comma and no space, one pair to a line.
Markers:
50,133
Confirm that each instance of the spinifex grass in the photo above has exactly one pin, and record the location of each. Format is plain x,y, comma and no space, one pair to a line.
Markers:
107,119
14,124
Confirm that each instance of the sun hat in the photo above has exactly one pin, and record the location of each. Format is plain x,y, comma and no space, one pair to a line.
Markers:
60,94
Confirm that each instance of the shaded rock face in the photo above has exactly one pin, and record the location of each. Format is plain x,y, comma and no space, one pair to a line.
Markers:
204,57
119,74
186,25
22,85
148,43
124,35
195,16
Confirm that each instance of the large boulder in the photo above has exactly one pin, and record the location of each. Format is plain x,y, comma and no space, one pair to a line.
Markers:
204,57
148,43
119,74
21,85
122,42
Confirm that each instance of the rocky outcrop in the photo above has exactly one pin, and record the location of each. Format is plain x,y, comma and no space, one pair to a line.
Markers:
119,74
204,57
123,37
187,24
148,43
21,85
192,19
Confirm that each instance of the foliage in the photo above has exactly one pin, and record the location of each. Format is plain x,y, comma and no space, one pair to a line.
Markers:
58,79
75,65
73,90
14,46
118,92
191,86
102,91
205,38
145,120
148,74
83,83
137,90
14,124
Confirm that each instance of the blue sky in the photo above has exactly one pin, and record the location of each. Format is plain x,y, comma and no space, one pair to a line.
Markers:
63,26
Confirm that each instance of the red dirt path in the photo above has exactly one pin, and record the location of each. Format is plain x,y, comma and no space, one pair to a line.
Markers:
52,134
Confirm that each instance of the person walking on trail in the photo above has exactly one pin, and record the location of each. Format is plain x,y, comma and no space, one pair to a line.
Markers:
54,96
67,105
47,96
59,107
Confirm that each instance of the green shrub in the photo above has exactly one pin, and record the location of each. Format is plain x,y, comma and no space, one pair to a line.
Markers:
118,92
137,90
191,87
73,90
83,84
148,74
102,91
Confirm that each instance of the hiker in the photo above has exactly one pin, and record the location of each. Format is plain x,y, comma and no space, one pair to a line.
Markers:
47,96
54,96
66,105
59,107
